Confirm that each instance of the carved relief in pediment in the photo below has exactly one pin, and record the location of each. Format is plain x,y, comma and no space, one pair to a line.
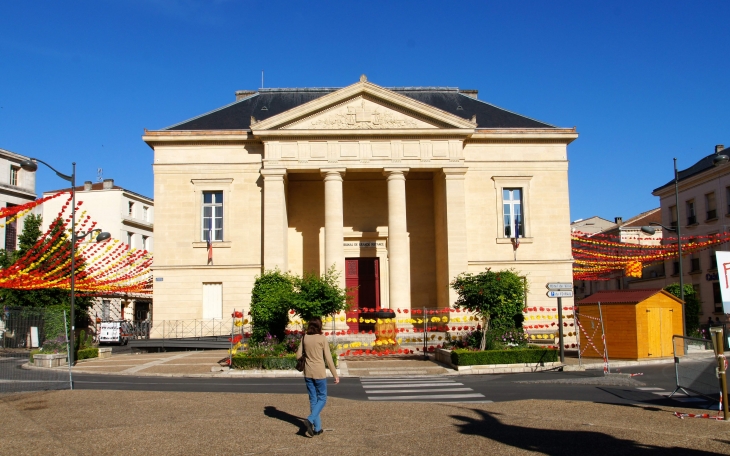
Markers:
359,114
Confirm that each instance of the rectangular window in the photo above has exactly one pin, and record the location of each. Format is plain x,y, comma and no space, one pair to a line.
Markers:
130,239
145,216
711,206
14,170
713,260
675,267
691,215
11,233
727,198
717,296
673,214
694,263
212,301
513,219
212,228
131,209
145,242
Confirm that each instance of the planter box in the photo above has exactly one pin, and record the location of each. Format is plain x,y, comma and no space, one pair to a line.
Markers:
50,360
444,356
105,352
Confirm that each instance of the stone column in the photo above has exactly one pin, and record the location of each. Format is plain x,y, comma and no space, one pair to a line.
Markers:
455,209
275,221
334,250
399,261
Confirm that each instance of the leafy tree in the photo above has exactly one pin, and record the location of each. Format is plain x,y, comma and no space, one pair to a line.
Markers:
270,300
318,296
691,306
44,298
497,297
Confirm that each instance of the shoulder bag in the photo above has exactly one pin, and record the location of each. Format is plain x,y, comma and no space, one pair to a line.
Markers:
302,361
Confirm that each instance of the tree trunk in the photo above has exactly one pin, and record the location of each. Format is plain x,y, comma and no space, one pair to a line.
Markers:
483,343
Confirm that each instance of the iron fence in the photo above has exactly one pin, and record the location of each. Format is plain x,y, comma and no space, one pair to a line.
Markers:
24,332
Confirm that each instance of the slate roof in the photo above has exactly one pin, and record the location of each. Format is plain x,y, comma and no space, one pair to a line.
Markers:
703,164
237,115
623,296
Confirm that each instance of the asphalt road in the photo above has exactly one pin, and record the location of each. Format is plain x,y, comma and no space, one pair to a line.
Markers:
651,388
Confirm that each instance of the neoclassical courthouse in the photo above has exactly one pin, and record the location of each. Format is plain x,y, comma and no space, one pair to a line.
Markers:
400,189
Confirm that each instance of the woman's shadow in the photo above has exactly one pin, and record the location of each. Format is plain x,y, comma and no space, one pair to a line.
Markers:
273,412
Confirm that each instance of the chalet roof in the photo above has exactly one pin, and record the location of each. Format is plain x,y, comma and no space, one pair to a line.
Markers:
623,296
266,103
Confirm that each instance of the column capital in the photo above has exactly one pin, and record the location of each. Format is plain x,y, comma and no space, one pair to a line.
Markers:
330,173
455,173
395,172
273,173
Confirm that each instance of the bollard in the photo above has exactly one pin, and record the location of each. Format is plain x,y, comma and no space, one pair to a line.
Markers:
717,340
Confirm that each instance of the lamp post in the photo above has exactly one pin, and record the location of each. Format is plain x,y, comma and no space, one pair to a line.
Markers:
717,161
31,165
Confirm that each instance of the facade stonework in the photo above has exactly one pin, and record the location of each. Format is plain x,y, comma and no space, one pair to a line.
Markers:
358,172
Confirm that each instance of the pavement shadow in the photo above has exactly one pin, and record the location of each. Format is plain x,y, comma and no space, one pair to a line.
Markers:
273,412
559,442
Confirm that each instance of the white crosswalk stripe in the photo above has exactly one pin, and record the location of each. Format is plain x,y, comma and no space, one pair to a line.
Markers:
419,389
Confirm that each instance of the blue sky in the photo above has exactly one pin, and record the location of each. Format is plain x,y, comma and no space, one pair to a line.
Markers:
642,81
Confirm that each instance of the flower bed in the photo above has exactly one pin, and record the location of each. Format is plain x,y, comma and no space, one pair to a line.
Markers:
463,357
87,353
244,361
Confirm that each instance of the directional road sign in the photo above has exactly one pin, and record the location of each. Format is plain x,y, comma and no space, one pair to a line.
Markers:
559,286
559,294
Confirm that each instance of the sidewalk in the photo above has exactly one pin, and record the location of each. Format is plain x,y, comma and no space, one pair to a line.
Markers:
87,422
211,363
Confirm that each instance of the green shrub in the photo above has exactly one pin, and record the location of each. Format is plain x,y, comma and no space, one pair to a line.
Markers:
34,352
87,353
461,357
691,306
318,296
243,361
270,300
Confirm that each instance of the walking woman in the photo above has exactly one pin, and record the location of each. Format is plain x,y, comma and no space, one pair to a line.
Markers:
316,351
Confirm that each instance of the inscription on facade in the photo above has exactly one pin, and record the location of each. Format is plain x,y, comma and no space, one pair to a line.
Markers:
364,244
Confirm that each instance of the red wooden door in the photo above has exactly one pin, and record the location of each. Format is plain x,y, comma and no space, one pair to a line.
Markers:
362,278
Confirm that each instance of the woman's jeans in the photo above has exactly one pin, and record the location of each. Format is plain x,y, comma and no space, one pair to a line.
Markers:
317,390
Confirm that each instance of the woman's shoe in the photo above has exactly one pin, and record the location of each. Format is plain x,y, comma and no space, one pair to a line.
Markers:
310,430
319,432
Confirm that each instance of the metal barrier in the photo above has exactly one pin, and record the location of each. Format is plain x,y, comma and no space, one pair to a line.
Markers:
25,331
694,365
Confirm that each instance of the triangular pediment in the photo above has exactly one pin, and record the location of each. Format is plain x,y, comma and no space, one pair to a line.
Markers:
363,106
360,113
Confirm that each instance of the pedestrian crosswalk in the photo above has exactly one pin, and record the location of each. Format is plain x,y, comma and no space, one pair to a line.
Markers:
419,389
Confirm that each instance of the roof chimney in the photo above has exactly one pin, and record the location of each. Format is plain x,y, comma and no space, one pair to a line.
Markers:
87,186
108,183
719,148
241,94
469,92
618,220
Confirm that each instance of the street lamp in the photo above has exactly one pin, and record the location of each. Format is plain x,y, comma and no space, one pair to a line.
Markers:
31,165
718,160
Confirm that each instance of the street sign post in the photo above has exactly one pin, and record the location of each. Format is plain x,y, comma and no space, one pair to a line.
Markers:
559,294
559,286
560,290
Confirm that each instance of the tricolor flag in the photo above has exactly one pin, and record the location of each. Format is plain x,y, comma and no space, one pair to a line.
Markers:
210,246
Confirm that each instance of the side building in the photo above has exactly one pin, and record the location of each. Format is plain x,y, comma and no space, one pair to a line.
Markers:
17,187
129,218
704,209
399,189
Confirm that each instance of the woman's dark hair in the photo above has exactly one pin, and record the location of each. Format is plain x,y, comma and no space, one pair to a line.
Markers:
314,326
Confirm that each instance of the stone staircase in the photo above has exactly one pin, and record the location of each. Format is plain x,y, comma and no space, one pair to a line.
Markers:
393,367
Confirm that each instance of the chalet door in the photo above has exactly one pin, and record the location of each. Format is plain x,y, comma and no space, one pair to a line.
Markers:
660,332
362,278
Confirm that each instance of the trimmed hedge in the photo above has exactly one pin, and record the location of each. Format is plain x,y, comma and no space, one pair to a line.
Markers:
87,353
462,357
288,361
